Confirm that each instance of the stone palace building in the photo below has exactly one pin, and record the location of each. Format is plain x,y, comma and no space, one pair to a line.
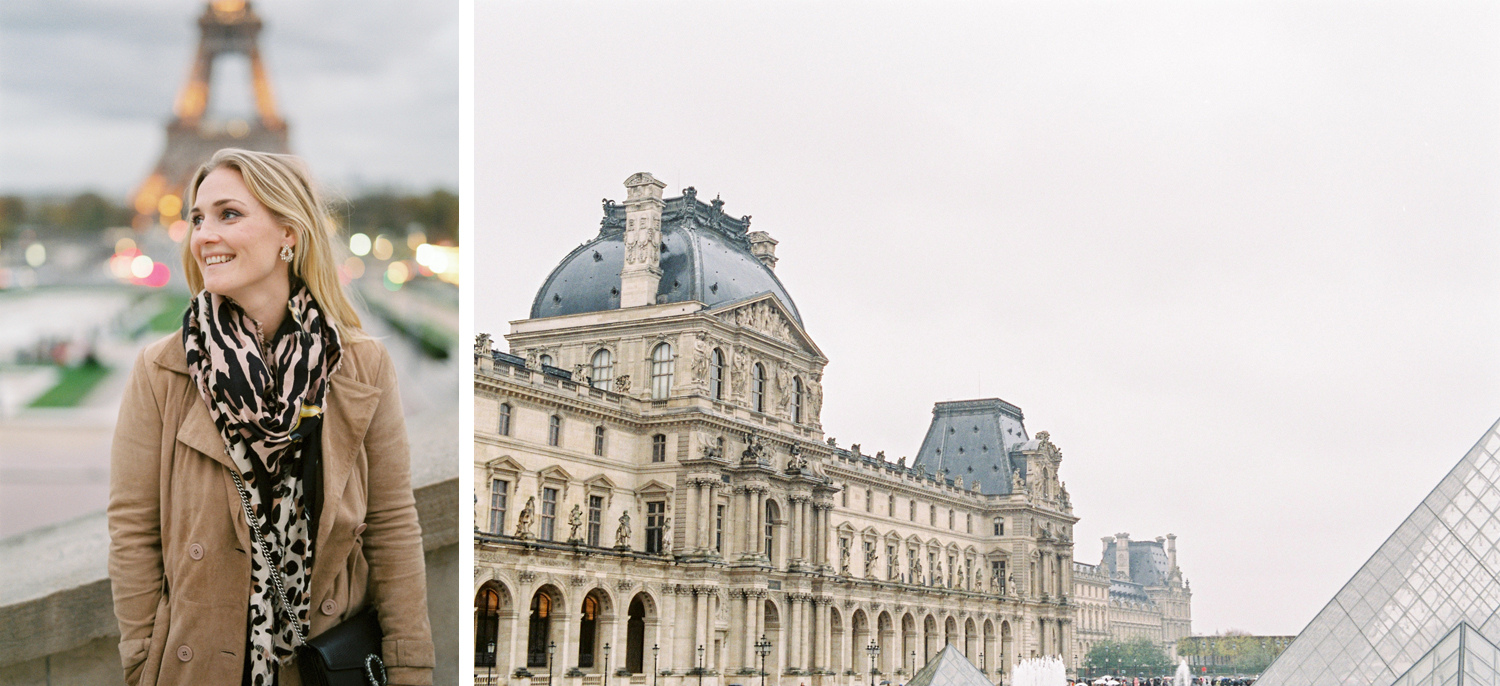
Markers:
656,501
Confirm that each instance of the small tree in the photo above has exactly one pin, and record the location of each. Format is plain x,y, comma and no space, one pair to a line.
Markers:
1128,658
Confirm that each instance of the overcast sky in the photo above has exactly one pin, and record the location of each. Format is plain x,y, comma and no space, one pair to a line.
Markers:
1238,258
369,89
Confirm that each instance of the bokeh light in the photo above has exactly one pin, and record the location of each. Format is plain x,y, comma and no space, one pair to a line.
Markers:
359,244
415,239
169,206
36,255
382,248
354,267
141,266
397,273
124,245
178,230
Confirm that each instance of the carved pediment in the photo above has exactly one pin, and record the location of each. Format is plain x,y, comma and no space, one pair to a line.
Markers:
766,315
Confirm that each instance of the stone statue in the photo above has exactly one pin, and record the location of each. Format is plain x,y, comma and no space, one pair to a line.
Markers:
533,361
870,562
523,521
713,450
482,344
916,568
995,586
755,450
937,573
795,462
784,390
901,462
740,373
622,383
666,534
575,520
622,533
1016,587
700,360
581,374
1017,484
844,560
814,399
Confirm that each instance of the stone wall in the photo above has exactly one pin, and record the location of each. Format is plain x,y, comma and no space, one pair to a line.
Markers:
57,622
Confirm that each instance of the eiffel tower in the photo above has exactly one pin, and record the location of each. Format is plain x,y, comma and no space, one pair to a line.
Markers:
227,27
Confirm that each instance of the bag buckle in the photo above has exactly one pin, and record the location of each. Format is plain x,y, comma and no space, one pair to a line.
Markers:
371,663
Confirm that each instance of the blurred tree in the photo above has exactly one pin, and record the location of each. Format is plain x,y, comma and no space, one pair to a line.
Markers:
12,215
1129,658
387,212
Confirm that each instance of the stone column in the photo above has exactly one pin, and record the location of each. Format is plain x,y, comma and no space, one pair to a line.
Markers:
760,524
792,530
701,631
804,543
793,631
747,621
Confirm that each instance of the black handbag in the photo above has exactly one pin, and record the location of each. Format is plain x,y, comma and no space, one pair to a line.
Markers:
345,655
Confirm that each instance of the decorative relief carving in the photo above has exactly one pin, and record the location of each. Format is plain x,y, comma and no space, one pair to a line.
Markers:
578,580
739,374
527,576
756,451
762,317
699,356
622,383
814,398
624,585
482,344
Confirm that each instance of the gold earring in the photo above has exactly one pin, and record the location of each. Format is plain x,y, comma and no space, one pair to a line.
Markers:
286,253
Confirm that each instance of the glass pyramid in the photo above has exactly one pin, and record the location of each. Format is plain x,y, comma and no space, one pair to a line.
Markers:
1462,658
1441,567
949,668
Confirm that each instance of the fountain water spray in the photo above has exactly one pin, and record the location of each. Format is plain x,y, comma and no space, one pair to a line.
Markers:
1040,671
1184,676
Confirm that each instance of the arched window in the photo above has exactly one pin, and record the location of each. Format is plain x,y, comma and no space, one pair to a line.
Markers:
504,427
603,371
758,389
554,430
661,371
540,630
599,440
716,374
486,626
797,399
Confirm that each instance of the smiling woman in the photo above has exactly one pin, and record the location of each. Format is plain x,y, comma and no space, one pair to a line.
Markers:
270,423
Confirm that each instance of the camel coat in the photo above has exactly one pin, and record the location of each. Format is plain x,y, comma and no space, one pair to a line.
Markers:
179,561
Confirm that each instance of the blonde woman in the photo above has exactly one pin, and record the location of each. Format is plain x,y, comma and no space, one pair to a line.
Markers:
269,395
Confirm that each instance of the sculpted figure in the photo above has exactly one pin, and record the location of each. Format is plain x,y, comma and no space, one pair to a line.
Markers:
814,398
700,360
581,374
741,373
482,344
523,521
533,361
622,533
666,535
575,520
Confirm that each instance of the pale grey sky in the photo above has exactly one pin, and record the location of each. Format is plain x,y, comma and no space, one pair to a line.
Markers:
1238,258
369,89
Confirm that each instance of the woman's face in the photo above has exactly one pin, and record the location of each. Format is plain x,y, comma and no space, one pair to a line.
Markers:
237,241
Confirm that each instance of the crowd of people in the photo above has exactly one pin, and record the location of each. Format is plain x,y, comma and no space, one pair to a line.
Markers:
1165,681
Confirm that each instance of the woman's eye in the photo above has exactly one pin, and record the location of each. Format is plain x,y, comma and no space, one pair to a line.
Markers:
229,214
196,220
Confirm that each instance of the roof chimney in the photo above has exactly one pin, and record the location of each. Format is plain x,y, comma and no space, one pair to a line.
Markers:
1171,552
763,247
641,275
1122,556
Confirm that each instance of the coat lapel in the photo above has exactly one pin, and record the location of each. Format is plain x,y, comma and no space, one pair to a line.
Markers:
350,405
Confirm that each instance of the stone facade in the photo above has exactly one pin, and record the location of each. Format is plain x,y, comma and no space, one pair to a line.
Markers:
654,491
1136,591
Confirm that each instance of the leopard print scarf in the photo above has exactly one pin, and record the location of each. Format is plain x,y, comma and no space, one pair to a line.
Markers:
259,405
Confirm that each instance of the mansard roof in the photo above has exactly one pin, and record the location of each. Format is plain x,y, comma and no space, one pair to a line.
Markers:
705,257
1148,562
974,439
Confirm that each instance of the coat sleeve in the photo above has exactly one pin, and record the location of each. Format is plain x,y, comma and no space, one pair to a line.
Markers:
134,512
393,539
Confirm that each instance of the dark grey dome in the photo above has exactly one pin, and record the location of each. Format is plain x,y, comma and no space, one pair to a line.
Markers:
705,256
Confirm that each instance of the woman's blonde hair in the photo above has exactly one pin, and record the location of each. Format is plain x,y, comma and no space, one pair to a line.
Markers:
282,184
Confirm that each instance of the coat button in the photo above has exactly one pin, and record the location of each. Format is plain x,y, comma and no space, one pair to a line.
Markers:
329,607
184,653
195,551
359,529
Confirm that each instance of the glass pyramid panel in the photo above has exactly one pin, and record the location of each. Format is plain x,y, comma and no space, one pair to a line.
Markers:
1439,569
949,668
1464,657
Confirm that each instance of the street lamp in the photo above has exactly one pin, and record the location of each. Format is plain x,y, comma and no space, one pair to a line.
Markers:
551,648
763,648
606,664
981,663
914,662
656,673
490,670
873,649
700,664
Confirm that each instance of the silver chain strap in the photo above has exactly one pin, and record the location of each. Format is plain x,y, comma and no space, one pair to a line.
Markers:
265,550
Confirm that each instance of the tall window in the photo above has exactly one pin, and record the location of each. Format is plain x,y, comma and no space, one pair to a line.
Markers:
912,510
661,371
499,492
890,561
869,500
504,428
931,515
596,518
599,440
969,523
659,448
950,519
486,625
716,374
719,529
999,526
797,399
844,496
770,529
549,514
554,430
869,551
603,371
758,388
656,513
890,506
997,568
